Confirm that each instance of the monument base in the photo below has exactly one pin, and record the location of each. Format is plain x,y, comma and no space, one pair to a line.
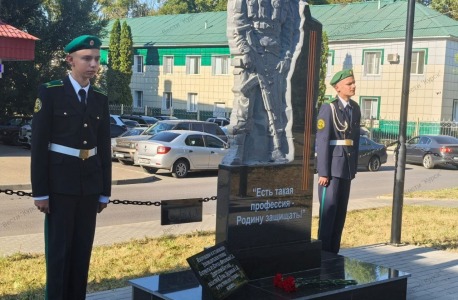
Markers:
373,282
265,217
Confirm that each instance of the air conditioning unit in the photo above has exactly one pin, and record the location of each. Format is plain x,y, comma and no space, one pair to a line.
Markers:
393,58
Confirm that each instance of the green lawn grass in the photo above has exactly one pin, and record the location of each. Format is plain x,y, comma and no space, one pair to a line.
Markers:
22,276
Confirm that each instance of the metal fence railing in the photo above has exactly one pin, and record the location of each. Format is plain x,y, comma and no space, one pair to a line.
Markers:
387,131
201,115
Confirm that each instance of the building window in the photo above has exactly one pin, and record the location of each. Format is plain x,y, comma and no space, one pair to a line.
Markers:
372,62
167,100
168,64
369,107
192,65
418,62
455,110
192,102
330,64
138,64
221,65
138,100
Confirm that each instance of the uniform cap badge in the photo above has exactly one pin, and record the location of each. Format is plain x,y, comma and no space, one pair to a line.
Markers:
91,43
321,124
38,105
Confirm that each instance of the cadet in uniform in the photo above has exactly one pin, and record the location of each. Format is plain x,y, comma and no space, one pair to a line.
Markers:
71,168
337,158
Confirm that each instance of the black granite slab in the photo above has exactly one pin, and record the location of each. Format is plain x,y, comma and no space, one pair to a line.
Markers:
374,282
181,211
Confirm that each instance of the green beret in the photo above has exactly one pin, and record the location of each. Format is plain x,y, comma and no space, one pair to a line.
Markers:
83,42
341,76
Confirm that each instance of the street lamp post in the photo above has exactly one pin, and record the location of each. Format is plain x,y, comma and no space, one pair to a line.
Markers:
400,168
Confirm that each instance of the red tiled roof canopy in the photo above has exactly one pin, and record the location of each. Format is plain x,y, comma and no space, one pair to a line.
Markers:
16,44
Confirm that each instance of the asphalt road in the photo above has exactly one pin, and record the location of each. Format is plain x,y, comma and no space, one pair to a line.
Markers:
19,216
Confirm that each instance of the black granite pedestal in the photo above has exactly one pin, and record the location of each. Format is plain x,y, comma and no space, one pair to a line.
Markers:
265,218
374,283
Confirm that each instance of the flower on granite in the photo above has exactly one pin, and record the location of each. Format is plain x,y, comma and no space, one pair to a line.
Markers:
286,284
278,279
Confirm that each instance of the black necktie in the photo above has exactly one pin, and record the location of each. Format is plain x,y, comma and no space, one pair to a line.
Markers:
82,94
348,114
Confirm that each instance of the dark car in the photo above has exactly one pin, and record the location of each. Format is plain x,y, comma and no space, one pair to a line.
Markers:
144,121
10,127
432,150
201,126
371,154
130,124
162,118
116,130
220,121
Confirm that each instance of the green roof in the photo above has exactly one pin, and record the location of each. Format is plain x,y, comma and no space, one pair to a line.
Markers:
359,20
177,30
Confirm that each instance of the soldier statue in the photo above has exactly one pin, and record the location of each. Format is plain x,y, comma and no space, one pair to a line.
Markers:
260,34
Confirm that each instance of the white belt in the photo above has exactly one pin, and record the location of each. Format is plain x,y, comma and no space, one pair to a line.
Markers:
346,142
83,153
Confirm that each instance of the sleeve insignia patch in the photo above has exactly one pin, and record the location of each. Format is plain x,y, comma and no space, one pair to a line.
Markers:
38,105
321,124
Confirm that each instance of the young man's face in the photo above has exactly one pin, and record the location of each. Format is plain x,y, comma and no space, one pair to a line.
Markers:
85,63
346,87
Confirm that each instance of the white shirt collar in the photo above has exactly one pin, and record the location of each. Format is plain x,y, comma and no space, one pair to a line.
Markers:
77,86
344,103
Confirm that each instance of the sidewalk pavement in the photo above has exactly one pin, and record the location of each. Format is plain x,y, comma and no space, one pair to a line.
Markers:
18,175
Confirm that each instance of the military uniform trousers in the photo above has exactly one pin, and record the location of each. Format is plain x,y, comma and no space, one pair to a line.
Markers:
333,210
69,234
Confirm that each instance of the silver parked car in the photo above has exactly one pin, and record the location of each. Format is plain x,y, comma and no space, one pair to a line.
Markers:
181,152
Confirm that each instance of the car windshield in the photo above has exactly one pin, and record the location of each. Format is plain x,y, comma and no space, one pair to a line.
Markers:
151,121
158,127
13,122
164,137
445,140
132,132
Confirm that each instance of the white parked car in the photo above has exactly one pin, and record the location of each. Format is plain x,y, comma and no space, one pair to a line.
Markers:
180,152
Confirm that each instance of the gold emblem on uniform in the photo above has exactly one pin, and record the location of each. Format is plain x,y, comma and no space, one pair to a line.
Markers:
91,42
321,124
38,105
351,72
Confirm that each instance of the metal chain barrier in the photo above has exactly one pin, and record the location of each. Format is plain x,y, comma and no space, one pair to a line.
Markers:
116,201
19,193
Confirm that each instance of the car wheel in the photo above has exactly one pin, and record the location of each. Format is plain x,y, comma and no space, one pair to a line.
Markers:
149,170
15,140
180,168
374,164
125,162
428,161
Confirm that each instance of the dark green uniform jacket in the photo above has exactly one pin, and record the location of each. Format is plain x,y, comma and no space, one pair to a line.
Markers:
59,118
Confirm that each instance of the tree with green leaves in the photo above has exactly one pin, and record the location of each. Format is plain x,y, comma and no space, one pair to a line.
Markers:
191,6
120,9
323,69
49,21
125,63
114,75
446,7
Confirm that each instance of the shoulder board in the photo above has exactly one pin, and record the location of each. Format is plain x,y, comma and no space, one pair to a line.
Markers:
96,89
330,101
54,83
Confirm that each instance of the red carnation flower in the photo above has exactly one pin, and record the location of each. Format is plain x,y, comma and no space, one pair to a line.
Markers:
288,285
278,280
